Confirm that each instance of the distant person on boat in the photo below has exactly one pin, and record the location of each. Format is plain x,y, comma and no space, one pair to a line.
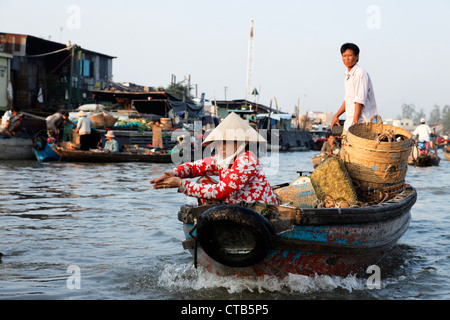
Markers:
241,176
423,133
157,135
55,124
252,117
111,144
84,129
359,102
11,121
330,146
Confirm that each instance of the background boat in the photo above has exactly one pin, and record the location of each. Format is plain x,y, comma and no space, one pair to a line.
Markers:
105,157
446,153
425,159
319,137
14,148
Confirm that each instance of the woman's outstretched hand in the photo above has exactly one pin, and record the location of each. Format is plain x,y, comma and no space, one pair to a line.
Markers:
163,177
167,180
172,182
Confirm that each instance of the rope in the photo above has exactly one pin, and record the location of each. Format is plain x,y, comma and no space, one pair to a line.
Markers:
49,53
191,233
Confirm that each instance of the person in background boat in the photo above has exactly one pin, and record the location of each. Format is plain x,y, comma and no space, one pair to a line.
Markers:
157,135
423,133
241,176
111,144
252,117
330,146
252,120
84,129
11,121
359,103
55,125
180,146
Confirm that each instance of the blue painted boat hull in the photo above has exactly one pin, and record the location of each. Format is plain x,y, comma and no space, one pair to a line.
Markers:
46,155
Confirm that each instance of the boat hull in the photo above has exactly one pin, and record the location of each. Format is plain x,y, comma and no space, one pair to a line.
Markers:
47,154
424,159
446,153
320,244
12,148
295,140
103,157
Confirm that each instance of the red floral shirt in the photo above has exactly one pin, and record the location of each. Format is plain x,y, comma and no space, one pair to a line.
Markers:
244,181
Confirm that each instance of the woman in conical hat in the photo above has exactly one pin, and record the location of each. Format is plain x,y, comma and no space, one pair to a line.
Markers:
241,176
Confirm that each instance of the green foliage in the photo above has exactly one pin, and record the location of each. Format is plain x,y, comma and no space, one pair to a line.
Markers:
408,111
436,115
179,90
445,121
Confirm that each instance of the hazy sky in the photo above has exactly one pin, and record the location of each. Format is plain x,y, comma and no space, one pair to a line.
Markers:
405,45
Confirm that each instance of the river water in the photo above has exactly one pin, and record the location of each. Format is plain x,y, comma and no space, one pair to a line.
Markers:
72,231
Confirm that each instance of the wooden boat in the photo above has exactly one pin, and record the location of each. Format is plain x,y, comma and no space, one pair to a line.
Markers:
319,137
104,157
423,159
45,153
237,240
15,148
446,152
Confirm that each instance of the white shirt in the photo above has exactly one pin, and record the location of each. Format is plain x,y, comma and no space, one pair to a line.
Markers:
84,125
6,117
359,89
423,131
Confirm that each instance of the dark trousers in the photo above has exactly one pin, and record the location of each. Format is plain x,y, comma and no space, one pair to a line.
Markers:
85,141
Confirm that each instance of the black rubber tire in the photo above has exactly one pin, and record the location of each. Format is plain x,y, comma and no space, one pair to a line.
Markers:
229,223
39,143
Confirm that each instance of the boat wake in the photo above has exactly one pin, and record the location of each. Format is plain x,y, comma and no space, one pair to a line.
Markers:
183,277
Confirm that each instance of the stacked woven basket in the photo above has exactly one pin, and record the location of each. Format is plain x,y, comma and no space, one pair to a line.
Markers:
376,157
103,119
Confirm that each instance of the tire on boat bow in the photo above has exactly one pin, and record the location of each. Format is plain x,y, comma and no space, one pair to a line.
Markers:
40,140
234,236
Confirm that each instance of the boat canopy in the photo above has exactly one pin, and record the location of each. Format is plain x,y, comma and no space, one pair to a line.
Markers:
180,107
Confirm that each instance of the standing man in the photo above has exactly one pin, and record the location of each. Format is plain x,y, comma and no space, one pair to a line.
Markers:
157,135
84,130
423,133
359,103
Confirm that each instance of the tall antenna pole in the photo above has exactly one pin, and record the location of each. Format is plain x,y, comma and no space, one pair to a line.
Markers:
251,44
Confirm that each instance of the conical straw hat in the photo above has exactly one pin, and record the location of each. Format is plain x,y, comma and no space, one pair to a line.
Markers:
233,128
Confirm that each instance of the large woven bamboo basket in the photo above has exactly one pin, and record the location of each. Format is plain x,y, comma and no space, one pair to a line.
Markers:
103,119
376,157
